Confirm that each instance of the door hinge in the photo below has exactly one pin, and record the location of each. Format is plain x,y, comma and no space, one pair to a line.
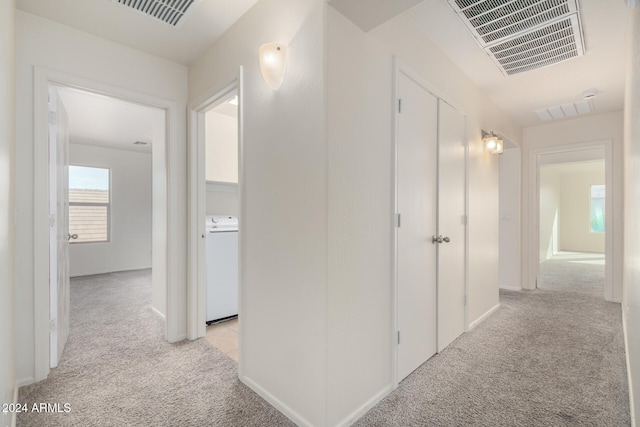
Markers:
465,300
399,105
465,219
52,325
53,120
398,220
398,337
52,220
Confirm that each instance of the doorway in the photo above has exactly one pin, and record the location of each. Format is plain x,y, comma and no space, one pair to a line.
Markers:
570,153
430,229
572,224
215,190
45,299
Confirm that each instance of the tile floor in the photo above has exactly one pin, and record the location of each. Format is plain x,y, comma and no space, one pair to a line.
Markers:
224,336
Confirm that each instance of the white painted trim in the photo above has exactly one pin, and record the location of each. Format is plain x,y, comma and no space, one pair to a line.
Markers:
612,292
44,77
511,288
358,413
157,313
111,271
298,419
14,415
484,317
629,377
222,187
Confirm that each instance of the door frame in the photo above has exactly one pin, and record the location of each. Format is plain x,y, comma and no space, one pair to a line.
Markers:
43,78
400,67
533,261
196,310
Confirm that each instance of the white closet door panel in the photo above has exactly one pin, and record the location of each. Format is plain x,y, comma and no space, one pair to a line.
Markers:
416,204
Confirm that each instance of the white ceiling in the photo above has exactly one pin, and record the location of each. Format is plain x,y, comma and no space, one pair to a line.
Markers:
595,166
110,20
109,122
602,67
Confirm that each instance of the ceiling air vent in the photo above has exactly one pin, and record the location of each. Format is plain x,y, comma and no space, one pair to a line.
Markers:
172,12
521,35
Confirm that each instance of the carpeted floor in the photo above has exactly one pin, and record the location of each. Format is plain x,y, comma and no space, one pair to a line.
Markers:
550,357
117,370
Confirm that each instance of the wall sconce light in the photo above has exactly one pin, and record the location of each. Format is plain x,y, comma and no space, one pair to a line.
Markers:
494,143
273,63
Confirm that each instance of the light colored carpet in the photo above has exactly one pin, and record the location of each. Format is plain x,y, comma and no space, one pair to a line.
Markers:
550,357
117,370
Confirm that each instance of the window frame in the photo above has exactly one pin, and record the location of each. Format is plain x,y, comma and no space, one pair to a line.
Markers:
107,205
591,218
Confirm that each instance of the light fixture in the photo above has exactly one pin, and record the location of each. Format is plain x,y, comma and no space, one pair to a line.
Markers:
494,143
273,62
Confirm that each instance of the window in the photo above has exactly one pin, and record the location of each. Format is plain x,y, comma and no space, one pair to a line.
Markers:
89,204
597,208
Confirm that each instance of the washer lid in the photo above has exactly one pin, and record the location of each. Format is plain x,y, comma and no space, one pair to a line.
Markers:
222,223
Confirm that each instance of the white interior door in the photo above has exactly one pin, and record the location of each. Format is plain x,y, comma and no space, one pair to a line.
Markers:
451,224
59,243
416,206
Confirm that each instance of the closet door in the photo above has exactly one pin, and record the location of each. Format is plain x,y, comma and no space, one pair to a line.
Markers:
451,224
416,158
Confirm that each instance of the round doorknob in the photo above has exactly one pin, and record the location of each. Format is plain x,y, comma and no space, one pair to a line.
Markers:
446,239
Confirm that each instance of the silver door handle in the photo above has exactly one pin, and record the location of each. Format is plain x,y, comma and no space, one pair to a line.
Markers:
439,239
72,236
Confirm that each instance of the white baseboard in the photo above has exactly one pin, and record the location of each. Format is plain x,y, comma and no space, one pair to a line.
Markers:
629,377
298,419
25,381
157,312
484,317
511,288
355,415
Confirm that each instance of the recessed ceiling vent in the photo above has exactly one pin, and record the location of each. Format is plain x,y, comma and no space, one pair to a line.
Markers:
522,35
172,12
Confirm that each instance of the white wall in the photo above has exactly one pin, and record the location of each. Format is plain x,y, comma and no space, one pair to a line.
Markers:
284,207
43,43
129,247
588,129
575,212
550,188
510,233
221,151
7,203
222,199
360,200
631,299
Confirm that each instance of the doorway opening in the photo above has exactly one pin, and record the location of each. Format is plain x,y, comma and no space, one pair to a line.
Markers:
573,224
548,236
51,308
215,222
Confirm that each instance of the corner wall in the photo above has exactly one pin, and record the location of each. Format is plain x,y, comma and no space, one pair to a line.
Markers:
44,43
283,217
7,204
510,223
129,247
631,297
361,112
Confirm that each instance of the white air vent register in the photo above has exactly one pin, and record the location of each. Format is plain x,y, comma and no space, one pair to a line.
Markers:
172,12
522,35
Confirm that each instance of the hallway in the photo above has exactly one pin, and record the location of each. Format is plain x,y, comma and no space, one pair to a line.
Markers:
554,356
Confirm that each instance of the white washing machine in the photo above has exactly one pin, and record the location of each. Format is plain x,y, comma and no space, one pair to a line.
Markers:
222,267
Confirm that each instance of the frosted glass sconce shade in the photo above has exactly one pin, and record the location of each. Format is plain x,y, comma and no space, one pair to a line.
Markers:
494,144
273,62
